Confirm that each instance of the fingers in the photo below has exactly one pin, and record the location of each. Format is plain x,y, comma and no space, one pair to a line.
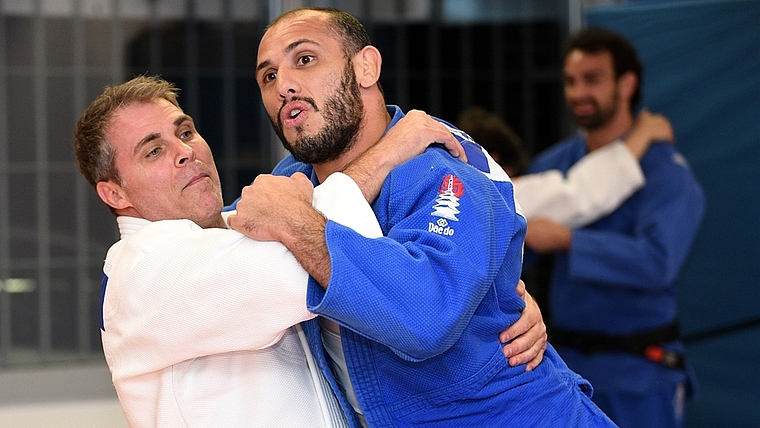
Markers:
657,125
532,364
521,290
527,336
527,349
432,131
303,186
454,147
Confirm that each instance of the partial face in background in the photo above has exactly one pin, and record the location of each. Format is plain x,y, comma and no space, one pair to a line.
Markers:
591,88
166,168
309,88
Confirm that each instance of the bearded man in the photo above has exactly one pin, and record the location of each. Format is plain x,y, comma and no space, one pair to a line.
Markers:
612,297
410,320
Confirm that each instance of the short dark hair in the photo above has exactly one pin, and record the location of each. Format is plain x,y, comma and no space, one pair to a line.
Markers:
347,29
625,58
494,135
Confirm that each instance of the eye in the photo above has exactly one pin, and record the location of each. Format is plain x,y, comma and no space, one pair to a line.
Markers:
268,77
186,135
305,59
153,153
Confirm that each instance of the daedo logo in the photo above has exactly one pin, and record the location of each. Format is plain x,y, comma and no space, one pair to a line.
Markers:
446,204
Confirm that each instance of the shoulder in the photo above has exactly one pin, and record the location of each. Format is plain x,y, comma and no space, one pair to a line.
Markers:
566,150
436,172
665,156
666,168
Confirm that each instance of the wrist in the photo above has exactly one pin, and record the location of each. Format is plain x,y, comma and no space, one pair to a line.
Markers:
303,223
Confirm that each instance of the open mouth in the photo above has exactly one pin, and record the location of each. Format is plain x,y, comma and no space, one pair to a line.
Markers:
296,111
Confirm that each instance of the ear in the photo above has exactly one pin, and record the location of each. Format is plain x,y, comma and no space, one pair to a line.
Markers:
113,195
367,64
627,84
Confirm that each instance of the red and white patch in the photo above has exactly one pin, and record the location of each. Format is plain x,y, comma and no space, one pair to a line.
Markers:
450,190
451,183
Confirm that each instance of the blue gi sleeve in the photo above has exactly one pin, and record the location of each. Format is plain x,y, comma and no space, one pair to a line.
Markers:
666,223
416,289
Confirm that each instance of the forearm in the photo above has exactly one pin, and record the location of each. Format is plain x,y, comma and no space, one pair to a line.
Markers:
370,170
595,186
648,128
637,144
408,138
303,233
152,299
618,259
271,209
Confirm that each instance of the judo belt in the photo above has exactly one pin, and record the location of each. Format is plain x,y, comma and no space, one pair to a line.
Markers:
647,344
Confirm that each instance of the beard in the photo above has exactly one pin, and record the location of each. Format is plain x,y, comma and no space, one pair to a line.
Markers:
343,112
600,116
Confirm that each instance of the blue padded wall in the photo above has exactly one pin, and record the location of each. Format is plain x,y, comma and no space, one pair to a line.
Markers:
702,70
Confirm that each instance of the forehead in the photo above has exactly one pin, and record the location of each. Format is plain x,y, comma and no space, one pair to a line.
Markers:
580,61
307,25
136,121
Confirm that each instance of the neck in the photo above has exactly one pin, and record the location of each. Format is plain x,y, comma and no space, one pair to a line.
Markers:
617,126
213,222
217,222
374,124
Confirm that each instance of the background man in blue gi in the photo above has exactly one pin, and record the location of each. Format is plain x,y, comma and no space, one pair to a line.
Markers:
415,314
612,298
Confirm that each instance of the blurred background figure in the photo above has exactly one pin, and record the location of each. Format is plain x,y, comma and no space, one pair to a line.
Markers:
612,296
498,138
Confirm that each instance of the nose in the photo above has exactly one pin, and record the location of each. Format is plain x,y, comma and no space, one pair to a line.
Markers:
287,86
185,154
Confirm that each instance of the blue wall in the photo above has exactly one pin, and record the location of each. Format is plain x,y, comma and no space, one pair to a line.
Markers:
702,70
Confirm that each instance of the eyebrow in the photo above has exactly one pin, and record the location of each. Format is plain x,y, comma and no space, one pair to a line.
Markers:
288,50
154,136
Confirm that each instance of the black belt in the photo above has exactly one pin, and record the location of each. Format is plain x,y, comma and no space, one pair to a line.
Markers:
647,344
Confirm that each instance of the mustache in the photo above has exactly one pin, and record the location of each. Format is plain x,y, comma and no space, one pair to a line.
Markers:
278,119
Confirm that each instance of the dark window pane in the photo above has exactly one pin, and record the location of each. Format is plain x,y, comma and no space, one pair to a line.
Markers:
210,46
137,45
20,41
418,47
547,44
25,314
483,93
173,38
98,49
64,313
482,48
23,211
550,102
21,114
62,187
59,46
419,95
451,99
247,36
514,108
61,116
450,46
511,47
